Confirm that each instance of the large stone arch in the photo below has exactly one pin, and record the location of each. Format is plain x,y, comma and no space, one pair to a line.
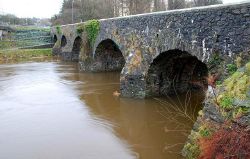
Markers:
108,56
76,49
175,71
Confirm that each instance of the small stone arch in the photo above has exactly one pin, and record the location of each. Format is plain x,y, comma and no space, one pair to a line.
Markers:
175,71
77,46
63,41
108,56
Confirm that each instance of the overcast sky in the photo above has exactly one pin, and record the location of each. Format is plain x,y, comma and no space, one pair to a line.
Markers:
42,8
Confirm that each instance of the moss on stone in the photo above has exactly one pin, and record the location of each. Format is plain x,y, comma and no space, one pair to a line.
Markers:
80,28
58,29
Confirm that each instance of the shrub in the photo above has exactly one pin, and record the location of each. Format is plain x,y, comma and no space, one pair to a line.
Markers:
226,102
231,68
227,142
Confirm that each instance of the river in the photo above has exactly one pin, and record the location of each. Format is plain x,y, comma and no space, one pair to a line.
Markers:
49,110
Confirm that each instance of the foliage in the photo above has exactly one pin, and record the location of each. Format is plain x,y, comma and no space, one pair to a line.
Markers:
238,61
58,29
26,36
218,82
235,89
92,28
204,131
238,112
10,19
214,61
227,142
226,102
80,28
193,150
248,68
231,68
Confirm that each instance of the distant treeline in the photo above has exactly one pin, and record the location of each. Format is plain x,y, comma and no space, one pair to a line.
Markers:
10,19
84,10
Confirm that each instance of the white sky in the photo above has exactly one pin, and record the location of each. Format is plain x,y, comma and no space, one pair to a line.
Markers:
31,8
42,8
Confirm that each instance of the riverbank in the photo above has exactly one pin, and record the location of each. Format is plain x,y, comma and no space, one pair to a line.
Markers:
222,129
21,55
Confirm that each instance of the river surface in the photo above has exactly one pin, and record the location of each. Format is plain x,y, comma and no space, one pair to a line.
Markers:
49,110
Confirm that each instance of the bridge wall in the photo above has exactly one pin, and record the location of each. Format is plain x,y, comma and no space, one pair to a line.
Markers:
201,32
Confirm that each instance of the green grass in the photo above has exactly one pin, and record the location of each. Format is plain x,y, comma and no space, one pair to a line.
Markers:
227,102
20,55
31,28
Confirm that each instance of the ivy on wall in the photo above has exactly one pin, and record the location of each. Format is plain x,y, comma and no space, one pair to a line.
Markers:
92,28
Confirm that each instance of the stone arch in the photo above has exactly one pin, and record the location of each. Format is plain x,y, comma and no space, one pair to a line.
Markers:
63,41
76,49
108,56
54,39
175,71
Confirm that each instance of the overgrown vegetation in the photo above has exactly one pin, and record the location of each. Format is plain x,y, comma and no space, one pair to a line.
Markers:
26,36
228,137
80,28
19,55
226,102
228,142
58,29
92,27
232,68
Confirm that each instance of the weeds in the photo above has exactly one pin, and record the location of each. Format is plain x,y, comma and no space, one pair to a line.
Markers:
228,142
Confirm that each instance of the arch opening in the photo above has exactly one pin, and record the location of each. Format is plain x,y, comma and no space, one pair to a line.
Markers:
54,39
76,49
108,57
63,41
174,72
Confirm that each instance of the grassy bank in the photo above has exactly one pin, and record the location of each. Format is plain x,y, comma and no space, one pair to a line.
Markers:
21,55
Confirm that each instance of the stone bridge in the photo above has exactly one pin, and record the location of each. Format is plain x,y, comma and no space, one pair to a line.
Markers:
158,53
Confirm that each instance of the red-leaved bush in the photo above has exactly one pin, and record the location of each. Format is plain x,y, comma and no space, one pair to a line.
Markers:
226,143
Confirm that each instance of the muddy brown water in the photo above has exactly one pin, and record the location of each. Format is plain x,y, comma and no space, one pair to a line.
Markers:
49,110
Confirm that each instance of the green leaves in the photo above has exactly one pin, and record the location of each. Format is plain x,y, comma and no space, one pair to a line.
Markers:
58,29
92,27
231,68
227,102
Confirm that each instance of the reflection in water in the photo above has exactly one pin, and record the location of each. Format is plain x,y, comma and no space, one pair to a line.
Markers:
50,111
